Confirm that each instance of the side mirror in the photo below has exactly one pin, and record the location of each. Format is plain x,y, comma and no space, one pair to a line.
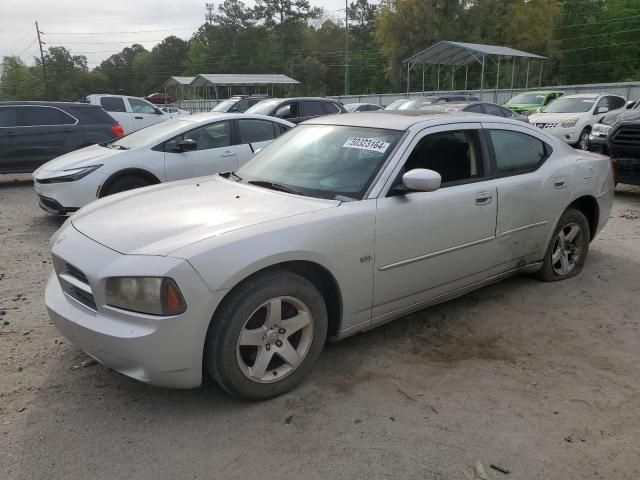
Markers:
158,111
187,145
602,110
422,180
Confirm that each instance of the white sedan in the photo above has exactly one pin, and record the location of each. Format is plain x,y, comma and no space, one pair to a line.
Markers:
186,147
345,223
174,112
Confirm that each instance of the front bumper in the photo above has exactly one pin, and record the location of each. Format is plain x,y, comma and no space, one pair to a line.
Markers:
567,135
163,351
66,197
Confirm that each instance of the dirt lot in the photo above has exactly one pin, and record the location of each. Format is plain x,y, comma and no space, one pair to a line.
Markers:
542,379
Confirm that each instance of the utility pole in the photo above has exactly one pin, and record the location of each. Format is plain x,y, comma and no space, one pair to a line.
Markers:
209,15
44,68
346,47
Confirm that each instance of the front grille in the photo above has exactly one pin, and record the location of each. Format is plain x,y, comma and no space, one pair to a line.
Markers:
546,125
74,283
626,136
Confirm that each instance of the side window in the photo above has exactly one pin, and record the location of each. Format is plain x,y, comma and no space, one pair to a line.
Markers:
290,110
214,135
517,152
113,104
139,106
7,117
506,112
33,116
616,102
255,131
455,155
240,106
477,108
312,109
283,128
603,102
330,108
549,99
492,109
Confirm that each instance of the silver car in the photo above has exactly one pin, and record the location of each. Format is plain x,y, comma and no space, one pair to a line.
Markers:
342,224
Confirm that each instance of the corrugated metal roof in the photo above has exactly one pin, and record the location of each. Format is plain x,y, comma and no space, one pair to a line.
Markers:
446,52
207,79
173,81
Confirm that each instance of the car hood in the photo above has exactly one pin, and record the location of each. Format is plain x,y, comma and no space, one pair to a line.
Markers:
92,155
618,115
160,219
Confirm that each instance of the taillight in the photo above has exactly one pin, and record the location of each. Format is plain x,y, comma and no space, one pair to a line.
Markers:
117,130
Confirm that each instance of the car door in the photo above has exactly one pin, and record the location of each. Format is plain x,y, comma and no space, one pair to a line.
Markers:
43,133
7,139
214,152
144,113
253,135
429,244
116,107
531,193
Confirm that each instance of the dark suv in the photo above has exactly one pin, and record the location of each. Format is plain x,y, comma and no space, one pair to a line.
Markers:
238,103
32,133
297,110
623,144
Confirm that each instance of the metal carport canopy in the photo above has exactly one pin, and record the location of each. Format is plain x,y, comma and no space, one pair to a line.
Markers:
226,79
451,53
175,81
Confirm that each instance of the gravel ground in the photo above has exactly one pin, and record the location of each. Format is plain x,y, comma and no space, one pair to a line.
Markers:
539,378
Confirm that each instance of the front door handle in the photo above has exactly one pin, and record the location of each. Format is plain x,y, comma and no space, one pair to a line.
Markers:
560,182
483,198
139,118
227,154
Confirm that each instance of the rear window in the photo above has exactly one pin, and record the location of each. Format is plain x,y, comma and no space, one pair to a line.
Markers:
91,115
34,116
7,117
330,107
311,109
113,104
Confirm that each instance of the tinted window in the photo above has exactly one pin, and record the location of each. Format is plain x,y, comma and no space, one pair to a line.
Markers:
311,109
140,106
290,110
477,108
214,135
454,155
617,102
330,107
32,116
92,115
7,117
492,109
515,151
113,104
506,112
255,131
240,106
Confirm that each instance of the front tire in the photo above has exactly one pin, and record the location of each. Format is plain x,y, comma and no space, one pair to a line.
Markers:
583,140
127,182
568,249
267,335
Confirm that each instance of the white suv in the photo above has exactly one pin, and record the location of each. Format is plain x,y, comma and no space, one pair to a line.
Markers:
571,117
132,113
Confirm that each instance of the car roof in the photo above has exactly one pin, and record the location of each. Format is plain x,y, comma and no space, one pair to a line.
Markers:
584,95
44,103
326,99
206,116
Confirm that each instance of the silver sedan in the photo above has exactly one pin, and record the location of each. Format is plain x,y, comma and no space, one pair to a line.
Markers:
344,223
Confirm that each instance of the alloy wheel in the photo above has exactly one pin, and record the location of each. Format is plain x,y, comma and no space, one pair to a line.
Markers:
275,339
567,249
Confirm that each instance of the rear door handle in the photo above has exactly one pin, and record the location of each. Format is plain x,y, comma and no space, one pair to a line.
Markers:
11,134
227,154
138,118
483,198
560,182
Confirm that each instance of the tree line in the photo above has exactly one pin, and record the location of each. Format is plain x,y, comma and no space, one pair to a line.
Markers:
586,41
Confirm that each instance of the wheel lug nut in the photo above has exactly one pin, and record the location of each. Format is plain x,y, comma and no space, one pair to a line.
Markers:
279,343
282,331
268,346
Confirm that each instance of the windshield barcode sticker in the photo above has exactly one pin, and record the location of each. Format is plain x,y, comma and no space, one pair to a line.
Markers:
371,144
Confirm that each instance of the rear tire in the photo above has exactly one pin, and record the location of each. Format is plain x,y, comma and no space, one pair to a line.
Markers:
128,182
568,249
266,336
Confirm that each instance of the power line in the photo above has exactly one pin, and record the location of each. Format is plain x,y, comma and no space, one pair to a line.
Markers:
131,31
599,46
611,20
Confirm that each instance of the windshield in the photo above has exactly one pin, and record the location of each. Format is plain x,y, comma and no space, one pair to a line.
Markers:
224,106
265,107
145,136
327,161
395,105
570,105
351,107
528,98
416,104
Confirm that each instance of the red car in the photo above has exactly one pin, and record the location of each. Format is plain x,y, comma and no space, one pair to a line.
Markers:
159,98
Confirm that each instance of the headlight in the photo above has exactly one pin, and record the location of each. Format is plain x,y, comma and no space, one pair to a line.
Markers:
601,129
153,295
569,123
70,175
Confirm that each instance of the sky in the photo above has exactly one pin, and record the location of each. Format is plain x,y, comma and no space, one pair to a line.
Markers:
97,29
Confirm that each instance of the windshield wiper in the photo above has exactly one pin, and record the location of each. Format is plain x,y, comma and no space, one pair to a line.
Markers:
236,176
117,147
274,186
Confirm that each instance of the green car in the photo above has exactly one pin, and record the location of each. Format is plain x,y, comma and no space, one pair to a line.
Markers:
531,102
